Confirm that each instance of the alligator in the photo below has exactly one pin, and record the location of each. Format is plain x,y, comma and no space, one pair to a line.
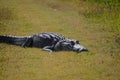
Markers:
48,41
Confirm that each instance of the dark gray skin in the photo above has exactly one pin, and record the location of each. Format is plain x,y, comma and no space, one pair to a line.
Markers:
47,41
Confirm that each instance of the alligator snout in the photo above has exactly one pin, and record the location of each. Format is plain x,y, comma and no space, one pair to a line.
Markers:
79,48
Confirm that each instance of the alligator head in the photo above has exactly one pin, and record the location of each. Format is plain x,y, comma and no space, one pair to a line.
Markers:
71,45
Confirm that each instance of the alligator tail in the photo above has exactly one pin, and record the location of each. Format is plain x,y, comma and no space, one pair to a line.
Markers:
15,40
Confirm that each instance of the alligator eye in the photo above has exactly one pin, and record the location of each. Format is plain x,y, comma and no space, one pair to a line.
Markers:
77,42
72,42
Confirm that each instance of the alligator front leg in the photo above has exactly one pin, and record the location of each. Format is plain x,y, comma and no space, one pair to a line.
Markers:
48,48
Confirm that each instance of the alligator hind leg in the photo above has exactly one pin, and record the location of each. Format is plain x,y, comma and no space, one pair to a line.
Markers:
28,42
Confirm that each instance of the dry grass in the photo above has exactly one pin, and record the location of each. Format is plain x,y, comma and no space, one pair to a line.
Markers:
102,62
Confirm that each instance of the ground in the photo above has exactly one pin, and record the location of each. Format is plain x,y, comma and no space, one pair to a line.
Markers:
27,17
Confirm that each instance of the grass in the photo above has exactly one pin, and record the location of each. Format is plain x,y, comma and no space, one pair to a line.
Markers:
27,17
105,12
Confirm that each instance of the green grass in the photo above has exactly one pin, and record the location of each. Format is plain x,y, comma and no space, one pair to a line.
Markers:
104,12
27,17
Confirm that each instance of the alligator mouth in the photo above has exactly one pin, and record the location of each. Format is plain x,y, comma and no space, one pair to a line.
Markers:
85,50
81,50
